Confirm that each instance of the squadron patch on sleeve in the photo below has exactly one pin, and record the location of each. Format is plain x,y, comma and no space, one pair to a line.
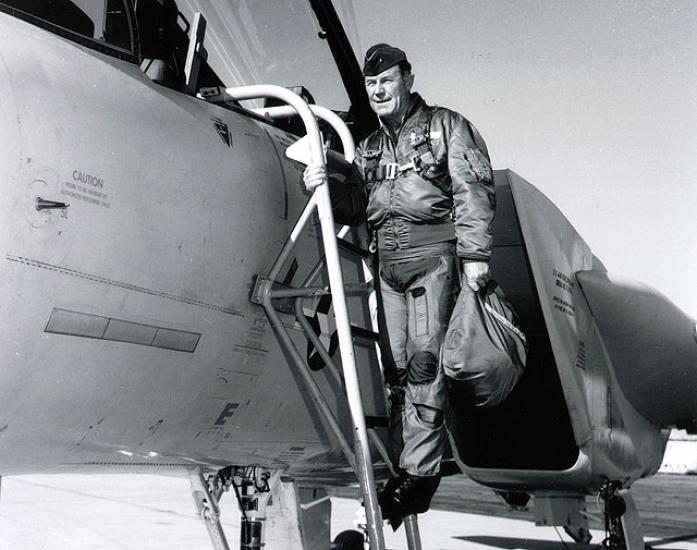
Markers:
479,164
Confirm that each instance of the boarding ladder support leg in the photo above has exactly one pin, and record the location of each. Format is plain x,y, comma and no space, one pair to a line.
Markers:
363,462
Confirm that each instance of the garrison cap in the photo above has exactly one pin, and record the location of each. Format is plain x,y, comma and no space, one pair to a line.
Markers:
381,57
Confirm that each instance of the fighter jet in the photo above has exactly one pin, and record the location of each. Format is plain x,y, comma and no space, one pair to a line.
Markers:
174,301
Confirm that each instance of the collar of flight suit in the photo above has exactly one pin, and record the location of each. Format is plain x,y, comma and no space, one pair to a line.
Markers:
415,101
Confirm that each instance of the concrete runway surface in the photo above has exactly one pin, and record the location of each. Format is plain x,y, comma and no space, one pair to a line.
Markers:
147,512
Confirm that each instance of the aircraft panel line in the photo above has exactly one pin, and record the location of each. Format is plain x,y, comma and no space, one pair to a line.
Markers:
97,279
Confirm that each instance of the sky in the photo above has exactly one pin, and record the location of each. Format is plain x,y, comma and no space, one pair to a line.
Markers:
593,102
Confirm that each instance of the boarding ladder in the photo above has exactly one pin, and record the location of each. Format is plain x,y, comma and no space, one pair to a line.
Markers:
267,291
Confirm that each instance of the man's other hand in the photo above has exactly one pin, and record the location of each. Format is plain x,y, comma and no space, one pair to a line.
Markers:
476,274
314,176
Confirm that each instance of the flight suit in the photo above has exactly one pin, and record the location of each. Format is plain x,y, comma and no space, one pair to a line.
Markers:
427,194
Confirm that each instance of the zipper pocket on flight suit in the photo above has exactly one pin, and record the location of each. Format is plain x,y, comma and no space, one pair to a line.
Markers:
418,301
419,312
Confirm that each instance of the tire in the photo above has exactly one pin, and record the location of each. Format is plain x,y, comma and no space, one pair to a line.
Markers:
349,540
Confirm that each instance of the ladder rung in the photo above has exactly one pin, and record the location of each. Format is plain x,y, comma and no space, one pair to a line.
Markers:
376,421
352,248
315,362
278,292
360,332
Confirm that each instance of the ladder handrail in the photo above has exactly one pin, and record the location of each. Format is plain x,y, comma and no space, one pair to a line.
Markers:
364,466
322,113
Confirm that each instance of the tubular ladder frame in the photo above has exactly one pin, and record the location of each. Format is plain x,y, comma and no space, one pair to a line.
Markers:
411,526
349,154
320,199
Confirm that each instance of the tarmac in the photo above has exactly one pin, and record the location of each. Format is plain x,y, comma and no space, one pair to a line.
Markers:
148,512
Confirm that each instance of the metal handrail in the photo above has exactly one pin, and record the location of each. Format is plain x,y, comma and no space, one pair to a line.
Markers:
322,113
364,466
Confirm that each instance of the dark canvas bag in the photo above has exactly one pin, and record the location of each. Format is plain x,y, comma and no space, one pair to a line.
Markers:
484,346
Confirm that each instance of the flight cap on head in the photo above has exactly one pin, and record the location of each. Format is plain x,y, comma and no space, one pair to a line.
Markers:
381,57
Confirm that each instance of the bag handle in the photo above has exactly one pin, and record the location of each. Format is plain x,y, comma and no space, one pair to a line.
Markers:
483,295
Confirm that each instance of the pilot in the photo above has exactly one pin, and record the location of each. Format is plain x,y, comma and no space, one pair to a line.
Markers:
423,182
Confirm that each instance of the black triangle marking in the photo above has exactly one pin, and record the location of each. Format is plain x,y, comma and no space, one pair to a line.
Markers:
223,131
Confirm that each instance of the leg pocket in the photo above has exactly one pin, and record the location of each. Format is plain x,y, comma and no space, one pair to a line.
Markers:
420,294
419,311
430,417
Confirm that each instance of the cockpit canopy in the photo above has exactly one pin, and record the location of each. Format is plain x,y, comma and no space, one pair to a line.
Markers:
106,26
248,42
232,43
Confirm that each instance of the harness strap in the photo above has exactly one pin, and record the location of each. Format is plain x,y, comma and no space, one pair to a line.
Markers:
392,170
422,144
422,160
372,162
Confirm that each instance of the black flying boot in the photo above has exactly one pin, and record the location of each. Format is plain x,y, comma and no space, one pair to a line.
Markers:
414,494
391,509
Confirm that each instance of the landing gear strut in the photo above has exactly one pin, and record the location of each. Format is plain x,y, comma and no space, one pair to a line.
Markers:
252,486
622,524
253,490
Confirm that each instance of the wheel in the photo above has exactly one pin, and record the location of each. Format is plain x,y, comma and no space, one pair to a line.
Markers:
349,540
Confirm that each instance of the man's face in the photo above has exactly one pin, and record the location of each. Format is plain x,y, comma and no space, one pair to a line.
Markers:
389,92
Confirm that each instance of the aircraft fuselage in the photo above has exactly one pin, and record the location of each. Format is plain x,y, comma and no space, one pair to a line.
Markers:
128,334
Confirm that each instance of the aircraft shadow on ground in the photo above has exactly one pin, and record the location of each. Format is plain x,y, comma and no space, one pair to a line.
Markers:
508,543
681,538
